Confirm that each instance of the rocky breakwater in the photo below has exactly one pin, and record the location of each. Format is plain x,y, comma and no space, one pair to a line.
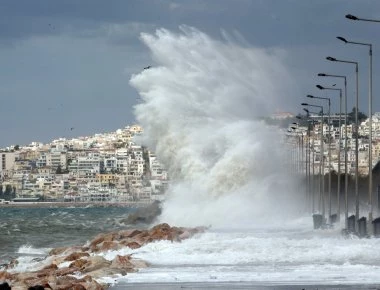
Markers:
84,267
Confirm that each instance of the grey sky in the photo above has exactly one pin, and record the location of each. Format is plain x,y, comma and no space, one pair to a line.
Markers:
67,63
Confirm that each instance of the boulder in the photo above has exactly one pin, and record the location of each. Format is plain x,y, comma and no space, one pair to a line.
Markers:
4,275
122,262
106,246
133,245
95,263
78,263
76,255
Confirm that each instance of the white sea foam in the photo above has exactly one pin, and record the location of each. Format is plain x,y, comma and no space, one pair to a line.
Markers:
274,255
30,258
200,111
30,250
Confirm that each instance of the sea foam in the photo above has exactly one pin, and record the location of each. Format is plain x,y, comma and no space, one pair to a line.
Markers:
201,110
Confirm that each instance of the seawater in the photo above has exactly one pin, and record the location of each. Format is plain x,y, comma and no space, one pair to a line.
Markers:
34,231
284,254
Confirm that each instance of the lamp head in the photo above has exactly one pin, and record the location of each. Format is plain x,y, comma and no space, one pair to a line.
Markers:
331,58
294,128
351,17
320,87
306,110
304,104
342,39
309,96
321,75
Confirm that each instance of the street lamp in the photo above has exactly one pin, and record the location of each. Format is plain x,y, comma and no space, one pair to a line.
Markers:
321,162
370,189
352,17
329,149
356,137
300,147
345,142
313,164
308,164
340,113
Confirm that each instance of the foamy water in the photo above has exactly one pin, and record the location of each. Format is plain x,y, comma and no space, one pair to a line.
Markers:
201,107
287,255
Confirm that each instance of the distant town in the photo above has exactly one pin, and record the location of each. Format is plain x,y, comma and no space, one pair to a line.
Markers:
110,167
106,167
305,131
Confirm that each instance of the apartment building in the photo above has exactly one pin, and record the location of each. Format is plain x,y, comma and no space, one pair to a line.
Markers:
7,162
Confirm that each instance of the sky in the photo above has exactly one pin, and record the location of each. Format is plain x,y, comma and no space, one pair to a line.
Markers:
65,66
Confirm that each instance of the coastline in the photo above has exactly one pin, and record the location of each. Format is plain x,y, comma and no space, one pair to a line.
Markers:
73,204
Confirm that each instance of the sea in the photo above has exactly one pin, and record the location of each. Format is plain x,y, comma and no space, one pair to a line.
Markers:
263,255
291,253
33,231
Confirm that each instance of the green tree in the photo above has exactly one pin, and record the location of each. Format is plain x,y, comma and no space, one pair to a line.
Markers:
59,170
351,116
17,147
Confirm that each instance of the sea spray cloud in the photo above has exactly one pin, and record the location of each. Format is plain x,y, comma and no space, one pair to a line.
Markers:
200,112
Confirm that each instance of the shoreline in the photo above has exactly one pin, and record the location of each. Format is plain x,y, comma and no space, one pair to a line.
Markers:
237,285
72,204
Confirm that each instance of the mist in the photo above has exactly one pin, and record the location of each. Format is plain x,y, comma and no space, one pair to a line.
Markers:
201,107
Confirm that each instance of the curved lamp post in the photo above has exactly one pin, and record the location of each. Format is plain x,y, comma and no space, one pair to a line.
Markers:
306,155
329,149
309,161
356,137
321,162
300,147
352,17
313,165
340,113
345,143
370,189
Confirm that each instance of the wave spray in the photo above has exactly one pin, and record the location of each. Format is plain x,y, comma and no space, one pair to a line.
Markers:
200,110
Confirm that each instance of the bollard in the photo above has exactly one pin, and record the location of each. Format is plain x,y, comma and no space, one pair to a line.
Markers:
317,221
376,227
333,218
351,224
362,223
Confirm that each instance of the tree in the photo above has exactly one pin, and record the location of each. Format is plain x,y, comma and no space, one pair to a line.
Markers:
59,170
8,194
17,147
351,116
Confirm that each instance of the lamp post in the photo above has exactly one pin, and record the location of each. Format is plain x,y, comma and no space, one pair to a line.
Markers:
329,150
312,164
300,147
352,17
321,162
370,189
356,136
345,143
307,162
340,113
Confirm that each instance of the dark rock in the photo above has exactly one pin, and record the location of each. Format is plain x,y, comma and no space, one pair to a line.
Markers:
37,287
